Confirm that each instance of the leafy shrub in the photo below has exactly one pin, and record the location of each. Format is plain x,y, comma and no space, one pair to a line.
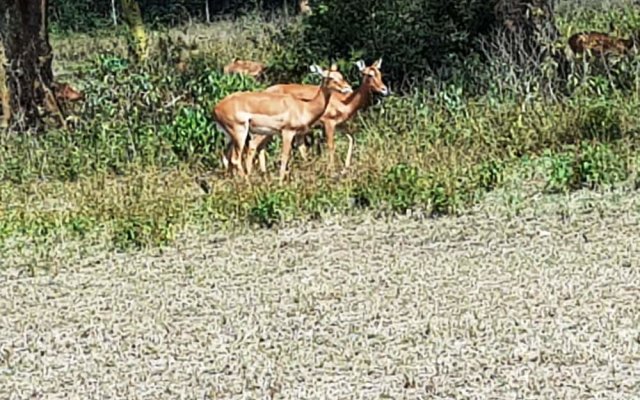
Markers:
271,207
489,174
191,135
599,166
600,121
562,175
414,37
403,187
591,164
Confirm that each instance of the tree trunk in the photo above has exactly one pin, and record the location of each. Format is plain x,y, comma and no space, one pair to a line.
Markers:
139,39
527,24
114,15
25,70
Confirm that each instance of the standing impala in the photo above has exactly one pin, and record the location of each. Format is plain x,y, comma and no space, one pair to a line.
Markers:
342,107
266,114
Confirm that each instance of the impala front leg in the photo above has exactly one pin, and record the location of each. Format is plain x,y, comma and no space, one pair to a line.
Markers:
329,132
301,143
347,161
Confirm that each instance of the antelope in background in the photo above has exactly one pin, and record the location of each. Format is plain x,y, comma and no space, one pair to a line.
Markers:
268,114
601,44
342,107
247,67
304,8
65,92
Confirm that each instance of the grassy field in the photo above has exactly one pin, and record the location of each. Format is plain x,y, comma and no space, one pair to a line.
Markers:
142,143
538,301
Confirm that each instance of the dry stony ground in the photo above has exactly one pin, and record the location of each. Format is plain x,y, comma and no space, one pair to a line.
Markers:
490,305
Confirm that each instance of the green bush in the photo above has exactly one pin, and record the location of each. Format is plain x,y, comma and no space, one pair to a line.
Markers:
590,164
403,187
599,165
413,37
271,207
561,174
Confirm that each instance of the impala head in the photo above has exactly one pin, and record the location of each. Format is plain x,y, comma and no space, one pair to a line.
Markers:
304,8
372,77
64,92
332,78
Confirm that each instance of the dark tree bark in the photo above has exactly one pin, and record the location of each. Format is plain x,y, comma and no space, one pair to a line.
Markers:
27,61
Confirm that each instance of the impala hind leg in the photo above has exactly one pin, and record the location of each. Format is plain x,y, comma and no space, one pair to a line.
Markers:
257,144
287,141
239,135
262,160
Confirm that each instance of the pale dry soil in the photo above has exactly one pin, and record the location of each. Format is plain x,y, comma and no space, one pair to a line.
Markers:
490,305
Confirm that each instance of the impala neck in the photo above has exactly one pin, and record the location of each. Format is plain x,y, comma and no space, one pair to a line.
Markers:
320,101
358,99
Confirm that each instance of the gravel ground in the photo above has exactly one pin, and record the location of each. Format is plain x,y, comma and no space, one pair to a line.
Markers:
544,304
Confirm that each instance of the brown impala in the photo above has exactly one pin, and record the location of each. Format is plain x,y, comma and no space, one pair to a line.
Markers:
342,107
600,44
266,114
247,67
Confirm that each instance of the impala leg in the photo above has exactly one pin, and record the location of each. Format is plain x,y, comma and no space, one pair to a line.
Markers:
302,148
226,157
262,154
318,143
287,141
255,145
329,132
347,161
301,144
239,140
262,159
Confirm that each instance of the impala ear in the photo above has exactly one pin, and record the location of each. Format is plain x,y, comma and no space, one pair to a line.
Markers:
360,65
315,69
378,63
334,67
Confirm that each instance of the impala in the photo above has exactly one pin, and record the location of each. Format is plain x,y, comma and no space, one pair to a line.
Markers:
266,114
251,68
65,92
342,107
304,8
600,44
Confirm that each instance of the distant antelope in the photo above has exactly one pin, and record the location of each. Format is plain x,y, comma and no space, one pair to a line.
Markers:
304,8
600,44
64,92
251,68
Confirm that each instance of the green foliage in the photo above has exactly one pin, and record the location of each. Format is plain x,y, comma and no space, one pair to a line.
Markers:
271,207
489,174
562,176
413,36
601,121
139,231
403,187
599,165
591,164
144,133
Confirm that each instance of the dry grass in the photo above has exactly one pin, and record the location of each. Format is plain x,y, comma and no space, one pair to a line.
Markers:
544,304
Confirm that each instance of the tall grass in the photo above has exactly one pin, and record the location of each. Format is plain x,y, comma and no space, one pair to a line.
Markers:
133,164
